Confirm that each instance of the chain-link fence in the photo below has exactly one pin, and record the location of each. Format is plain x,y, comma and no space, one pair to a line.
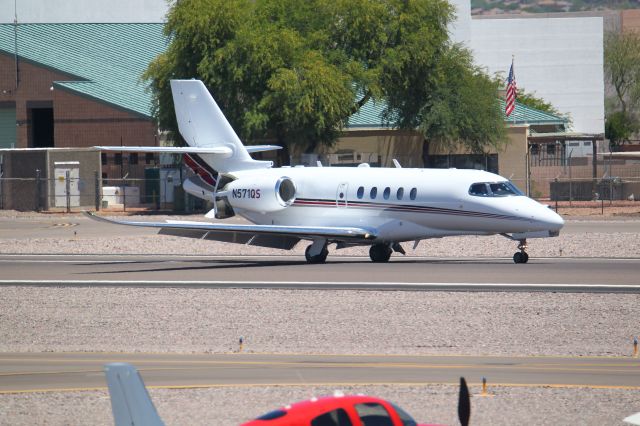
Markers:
161,189
69,193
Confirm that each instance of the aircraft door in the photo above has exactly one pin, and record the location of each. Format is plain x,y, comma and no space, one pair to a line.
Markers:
341,195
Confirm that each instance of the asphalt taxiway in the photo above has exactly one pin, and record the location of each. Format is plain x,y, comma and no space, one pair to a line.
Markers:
35,372
402,273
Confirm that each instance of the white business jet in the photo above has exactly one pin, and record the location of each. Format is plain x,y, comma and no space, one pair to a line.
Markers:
376,207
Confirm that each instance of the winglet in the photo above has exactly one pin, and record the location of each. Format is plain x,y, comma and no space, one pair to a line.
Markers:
633,419
130,401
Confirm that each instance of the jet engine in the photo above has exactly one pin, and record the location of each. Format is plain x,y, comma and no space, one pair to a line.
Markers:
263,195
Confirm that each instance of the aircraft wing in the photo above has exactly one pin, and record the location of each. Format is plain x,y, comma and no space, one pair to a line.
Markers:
275,236
130,401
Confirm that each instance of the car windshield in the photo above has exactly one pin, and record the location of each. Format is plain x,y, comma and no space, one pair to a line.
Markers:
494,189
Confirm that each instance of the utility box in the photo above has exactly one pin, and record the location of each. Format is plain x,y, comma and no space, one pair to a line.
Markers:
67,183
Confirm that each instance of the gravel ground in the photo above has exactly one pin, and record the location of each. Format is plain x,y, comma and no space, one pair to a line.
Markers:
205,320
285,321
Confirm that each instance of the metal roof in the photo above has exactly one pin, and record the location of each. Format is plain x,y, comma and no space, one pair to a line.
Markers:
370,116
105,61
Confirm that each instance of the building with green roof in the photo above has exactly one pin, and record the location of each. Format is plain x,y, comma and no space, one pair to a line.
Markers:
76,85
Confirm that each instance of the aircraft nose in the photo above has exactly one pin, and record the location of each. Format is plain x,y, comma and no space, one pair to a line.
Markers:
552,220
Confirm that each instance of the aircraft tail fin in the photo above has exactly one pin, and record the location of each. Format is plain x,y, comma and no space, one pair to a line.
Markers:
202,124
130,401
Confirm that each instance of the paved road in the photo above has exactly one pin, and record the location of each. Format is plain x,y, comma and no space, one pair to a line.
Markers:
29,372
413,273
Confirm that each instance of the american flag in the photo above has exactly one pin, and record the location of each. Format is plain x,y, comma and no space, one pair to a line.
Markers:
511,92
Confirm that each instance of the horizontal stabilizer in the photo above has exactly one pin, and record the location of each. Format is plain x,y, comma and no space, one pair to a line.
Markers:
130,401
208,230
218,150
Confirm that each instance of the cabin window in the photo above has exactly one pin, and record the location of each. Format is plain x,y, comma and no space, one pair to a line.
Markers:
413,193
374,193
360,192
338,417
400,193
386,193
373,414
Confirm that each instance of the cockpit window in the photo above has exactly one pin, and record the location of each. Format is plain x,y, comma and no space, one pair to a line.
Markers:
494,189
479,189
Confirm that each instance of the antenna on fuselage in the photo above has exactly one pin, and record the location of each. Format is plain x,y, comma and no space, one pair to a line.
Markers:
396,163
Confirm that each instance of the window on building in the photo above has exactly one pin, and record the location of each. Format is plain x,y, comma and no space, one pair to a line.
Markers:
551,149
118,159
360,192
148,158
133,158
103,158
373,193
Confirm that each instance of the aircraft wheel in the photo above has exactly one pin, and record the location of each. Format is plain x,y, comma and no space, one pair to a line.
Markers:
320,258
520,257
380,253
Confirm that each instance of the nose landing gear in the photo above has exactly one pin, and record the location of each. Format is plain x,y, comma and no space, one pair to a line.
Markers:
521,256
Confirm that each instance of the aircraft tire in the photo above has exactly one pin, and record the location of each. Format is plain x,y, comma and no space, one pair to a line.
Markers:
380,253
520,257
320,258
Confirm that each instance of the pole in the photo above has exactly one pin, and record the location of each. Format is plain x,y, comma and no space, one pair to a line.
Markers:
68,189
97,189
15,40
38,195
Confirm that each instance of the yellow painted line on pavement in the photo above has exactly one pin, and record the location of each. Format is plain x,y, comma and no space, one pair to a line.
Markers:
332,385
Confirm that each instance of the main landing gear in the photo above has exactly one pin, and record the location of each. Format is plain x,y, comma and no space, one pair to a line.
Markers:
521,256
318,258
380,253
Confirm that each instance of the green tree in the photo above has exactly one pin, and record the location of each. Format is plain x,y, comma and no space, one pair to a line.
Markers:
461,108
622,70
296,71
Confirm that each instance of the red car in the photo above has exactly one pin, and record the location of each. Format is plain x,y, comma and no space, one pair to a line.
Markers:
337,410
131,404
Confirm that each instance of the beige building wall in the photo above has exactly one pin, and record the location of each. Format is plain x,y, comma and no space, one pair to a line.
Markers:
383,146
512,158
406,147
